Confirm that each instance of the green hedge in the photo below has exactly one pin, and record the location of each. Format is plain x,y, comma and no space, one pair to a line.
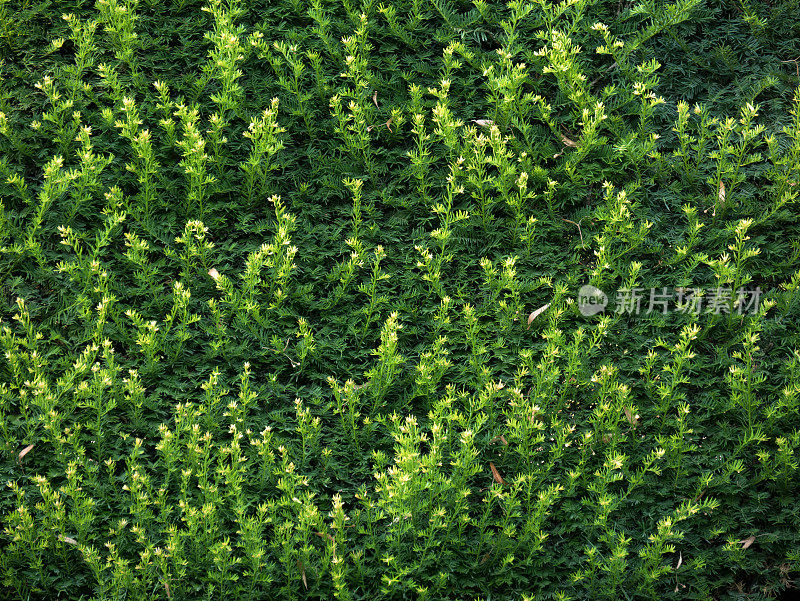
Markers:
290,299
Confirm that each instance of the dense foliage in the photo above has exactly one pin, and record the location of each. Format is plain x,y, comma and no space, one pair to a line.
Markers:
290,299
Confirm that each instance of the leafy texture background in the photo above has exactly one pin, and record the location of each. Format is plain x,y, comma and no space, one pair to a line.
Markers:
268,271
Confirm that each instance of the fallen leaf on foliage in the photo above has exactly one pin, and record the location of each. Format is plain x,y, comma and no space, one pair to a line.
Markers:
495,474
213,273
633,419
747,542
483,122
537,313
24,452
501,438
303,572
375,97
536,415
67,539
568,142
680,560
323,535
721,193
486,556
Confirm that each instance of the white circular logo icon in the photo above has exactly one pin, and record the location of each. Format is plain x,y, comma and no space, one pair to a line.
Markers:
591,300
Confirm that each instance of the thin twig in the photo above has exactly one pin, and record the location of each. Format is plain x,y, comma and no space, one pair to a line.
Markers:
796,62
577,224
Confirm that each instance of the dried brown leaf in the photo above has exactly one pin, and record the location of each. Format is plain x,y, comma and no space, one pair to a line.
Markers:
680,560
721,193
536,314
24,452
375,97
483,122
632,419
495,474
67,539
501,438
303,573
324,535
213,273
747,542
568,142
536,415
